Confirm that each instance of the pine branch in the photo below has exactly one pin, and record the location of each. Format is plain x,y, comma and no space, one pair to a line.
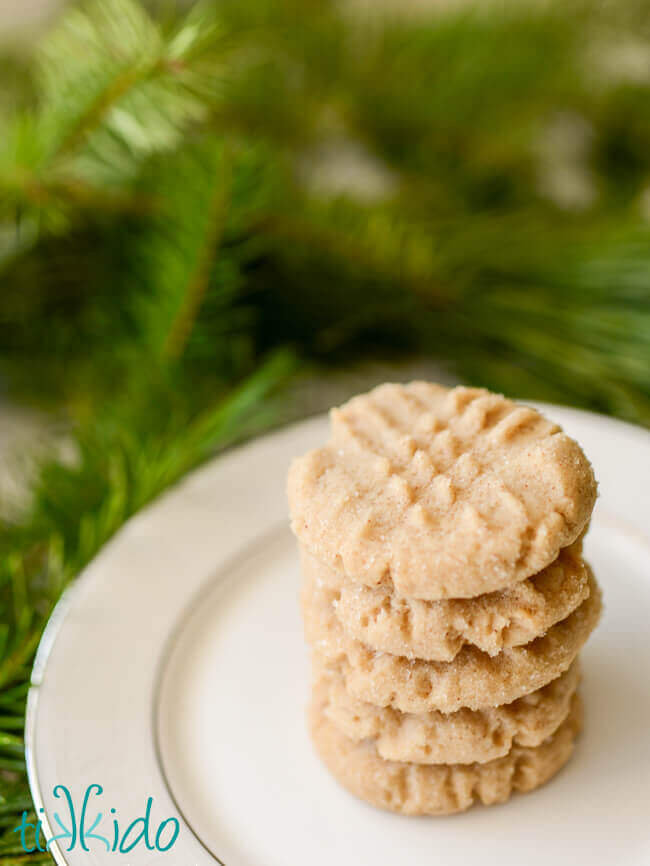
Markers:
112,90
197,287
179,248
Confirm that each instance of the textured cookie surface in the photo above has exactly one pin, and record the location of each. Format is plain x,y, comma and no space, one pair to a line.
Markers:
463,737
473,679
440,493
437,630
438,789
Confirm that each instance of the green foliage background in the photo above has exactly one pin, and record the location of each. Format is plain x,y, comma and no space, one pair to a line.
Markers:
171,258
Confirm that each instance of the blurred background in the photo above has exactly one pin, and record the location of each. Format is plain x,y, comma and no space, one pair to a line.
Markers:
217,217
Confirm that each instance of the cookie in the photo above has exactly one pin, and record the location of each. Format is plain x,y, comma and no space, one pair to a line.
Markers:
438,789
440,493
437,630
473,679
463,737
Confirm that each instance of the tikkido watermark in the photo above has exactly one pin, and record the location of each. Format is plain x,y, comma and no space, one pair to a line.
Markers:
85,826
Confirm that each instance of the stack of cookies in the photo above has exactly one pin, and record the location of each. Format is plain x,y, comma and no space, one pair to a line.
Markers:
444,595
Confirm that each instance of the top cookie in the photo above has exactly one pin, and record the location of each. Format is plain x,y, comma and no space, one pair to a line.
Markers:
441,493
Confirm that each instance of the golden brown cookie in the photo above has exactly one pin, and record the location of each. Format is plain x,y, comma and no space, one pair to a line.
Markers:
437,630
473,679
440,493
438,789
463,737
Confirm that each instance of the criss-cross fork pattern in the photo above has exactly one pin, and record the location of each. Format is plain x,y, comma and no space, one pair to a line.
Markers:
420,483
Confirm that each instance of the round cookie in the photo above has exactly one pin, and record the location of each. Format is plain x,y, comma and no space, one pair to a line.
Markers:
438,789
440,493
473,679
463,737
437,630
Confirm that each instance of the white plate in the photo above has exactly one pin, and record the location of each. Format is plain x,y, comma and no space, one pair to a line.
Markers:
175,669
